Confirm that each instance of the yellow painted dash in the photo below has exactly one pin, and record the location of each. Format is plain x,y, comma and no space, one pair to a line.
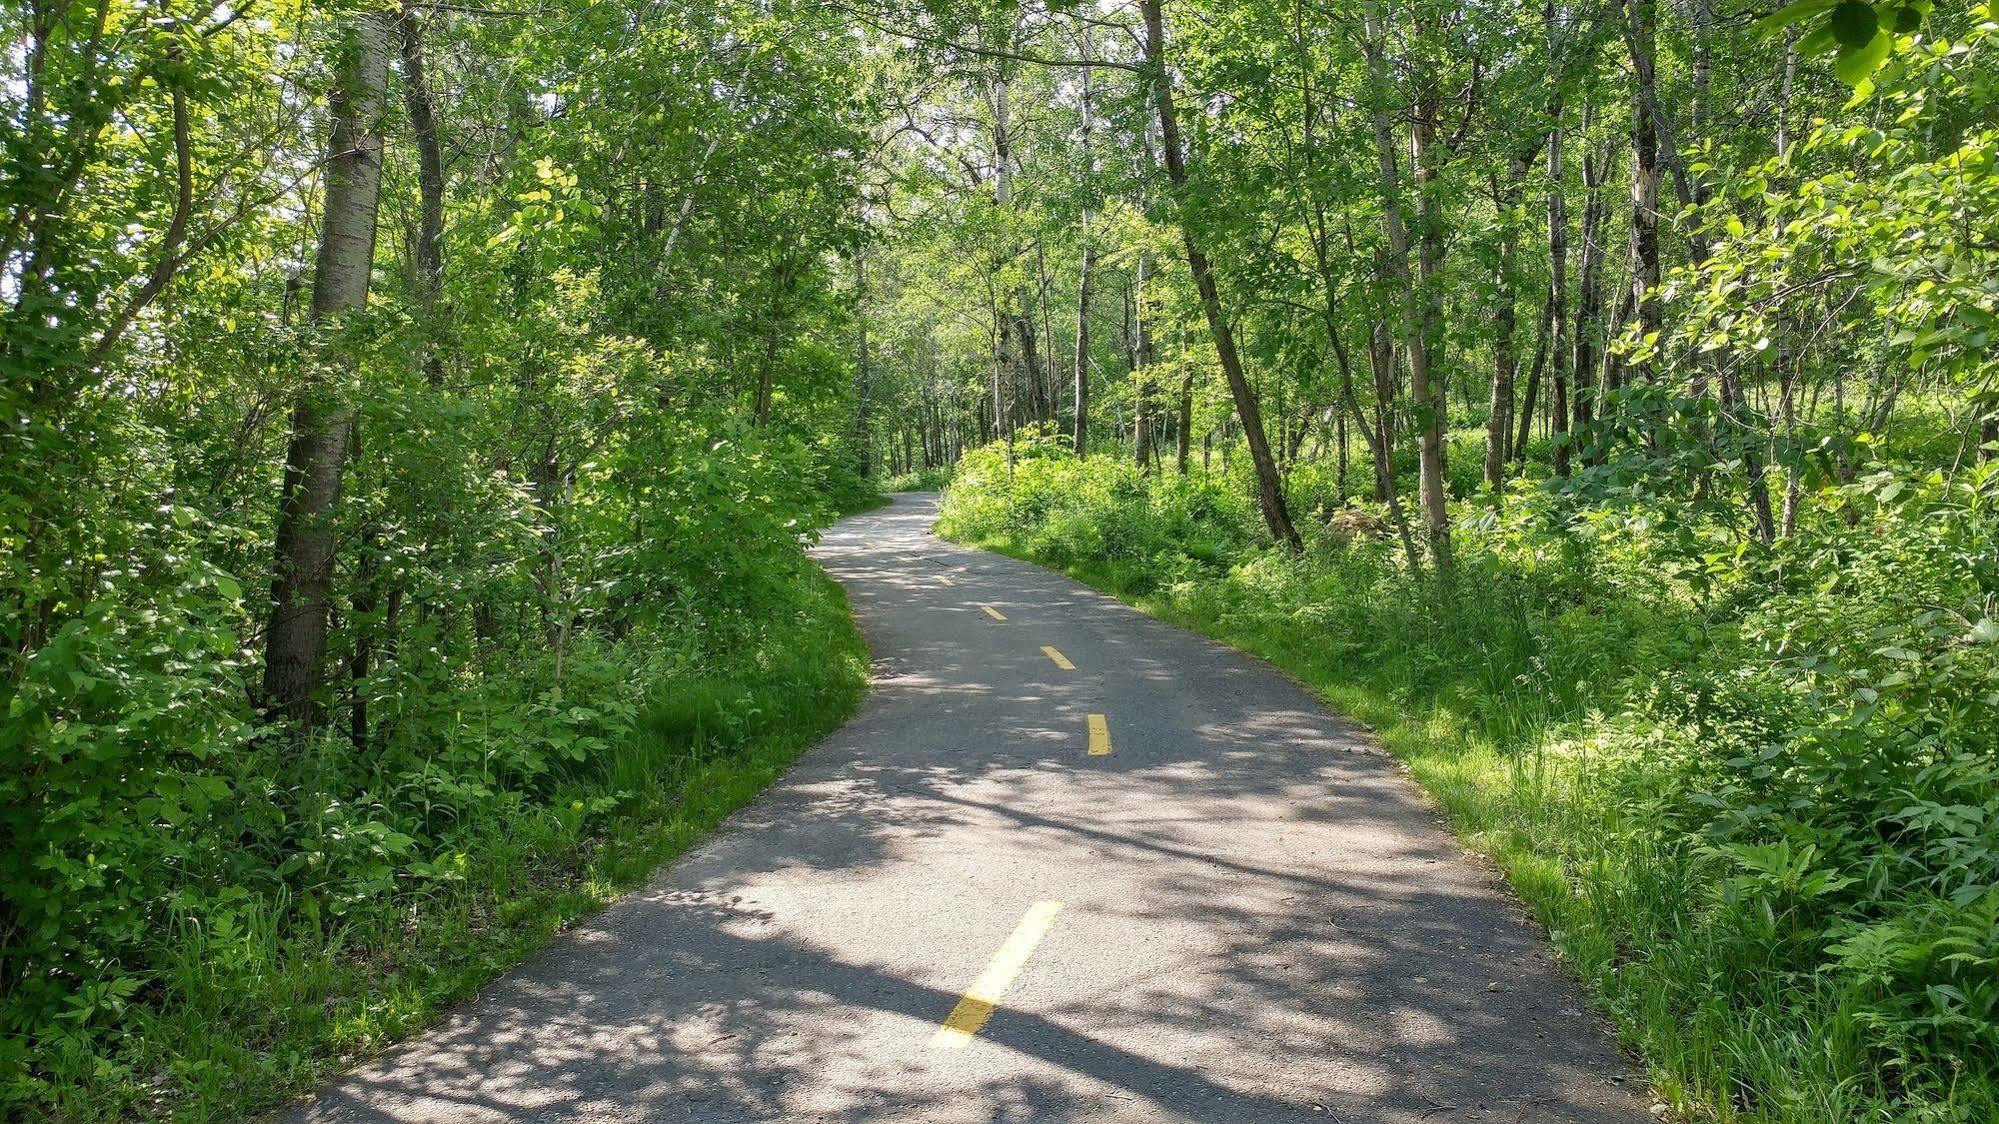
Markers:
993,613
970,1015
945,580
1061,660
1100,736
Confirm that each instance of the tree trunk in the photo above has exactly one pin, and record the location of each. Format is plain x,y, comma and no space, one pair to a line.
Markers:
1420,306
1021,312
1269,487
1529,398
1505,344
1558,288
766,369
1080,424
1645,271
1030,357
1141,317
1080,433
322,419
1185,436
863,376
1589,302
1000,429
429,245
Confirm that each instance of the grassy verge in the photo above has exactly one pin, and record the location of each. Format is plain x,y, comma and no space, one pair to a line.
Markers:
253,1010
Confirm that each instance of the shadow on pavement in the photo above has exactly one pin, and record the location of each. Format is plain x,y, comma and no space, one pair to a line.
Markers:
1262,921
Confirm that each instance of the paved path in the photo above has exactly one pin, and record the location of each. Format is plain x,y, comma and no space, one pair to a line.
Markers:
1239,913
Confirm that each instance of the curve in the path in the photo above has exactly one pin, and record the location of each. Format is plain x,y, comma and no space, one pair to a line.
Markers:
1259,919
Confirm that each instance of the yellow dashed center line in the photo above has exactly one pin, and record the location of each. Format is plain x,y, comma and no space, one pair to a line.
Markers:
1061,660
992,612
1100,736
970,1015
945,580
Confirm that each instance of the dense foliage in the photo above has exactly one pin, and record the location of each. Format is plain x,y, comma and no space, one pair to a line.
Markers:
516,490
410,417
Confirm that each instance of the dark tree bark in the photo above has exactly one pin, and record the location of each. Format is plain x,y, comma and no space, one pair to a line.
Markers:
1079,436
1645,271
1589,301
429,246
1530,396
1505,345
1558,294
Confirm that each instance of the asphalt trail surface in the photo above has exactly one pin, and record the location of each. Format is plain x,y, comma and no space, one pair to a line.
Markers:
1242,912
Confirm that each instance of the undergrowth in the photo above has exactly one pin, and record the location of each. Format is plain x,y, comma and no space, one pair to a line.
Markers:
410,887
921,480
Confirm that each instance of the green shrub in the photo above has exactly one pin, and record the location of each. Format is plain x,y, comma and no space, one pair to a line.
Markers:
921,480
198,913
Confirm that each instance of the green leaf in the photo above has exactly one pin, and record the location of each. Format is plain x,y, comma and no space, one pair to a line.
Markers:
1854,24
1789,14
1856,63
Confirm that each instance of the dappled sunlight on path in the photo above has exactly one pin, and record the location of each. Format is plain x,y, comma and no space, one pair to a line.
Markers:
1260,921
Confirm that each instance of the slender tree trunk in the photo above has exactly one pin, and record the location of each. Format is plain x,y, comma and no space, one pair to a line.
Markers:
1269,487
1381,360
1529,398
1589,301
1381,439
1420,305
361,657
1020,315
1080,432
1430,390
1645,272
1000,429
1558,288
1030,358
322,419
429,246
766,370
1691,190
1142,359
1185,436
1505,346
1080,423
863,374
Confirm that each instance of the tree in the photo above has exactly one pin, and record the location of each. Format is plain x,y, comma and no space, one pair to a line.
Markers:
1269,487
323,417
